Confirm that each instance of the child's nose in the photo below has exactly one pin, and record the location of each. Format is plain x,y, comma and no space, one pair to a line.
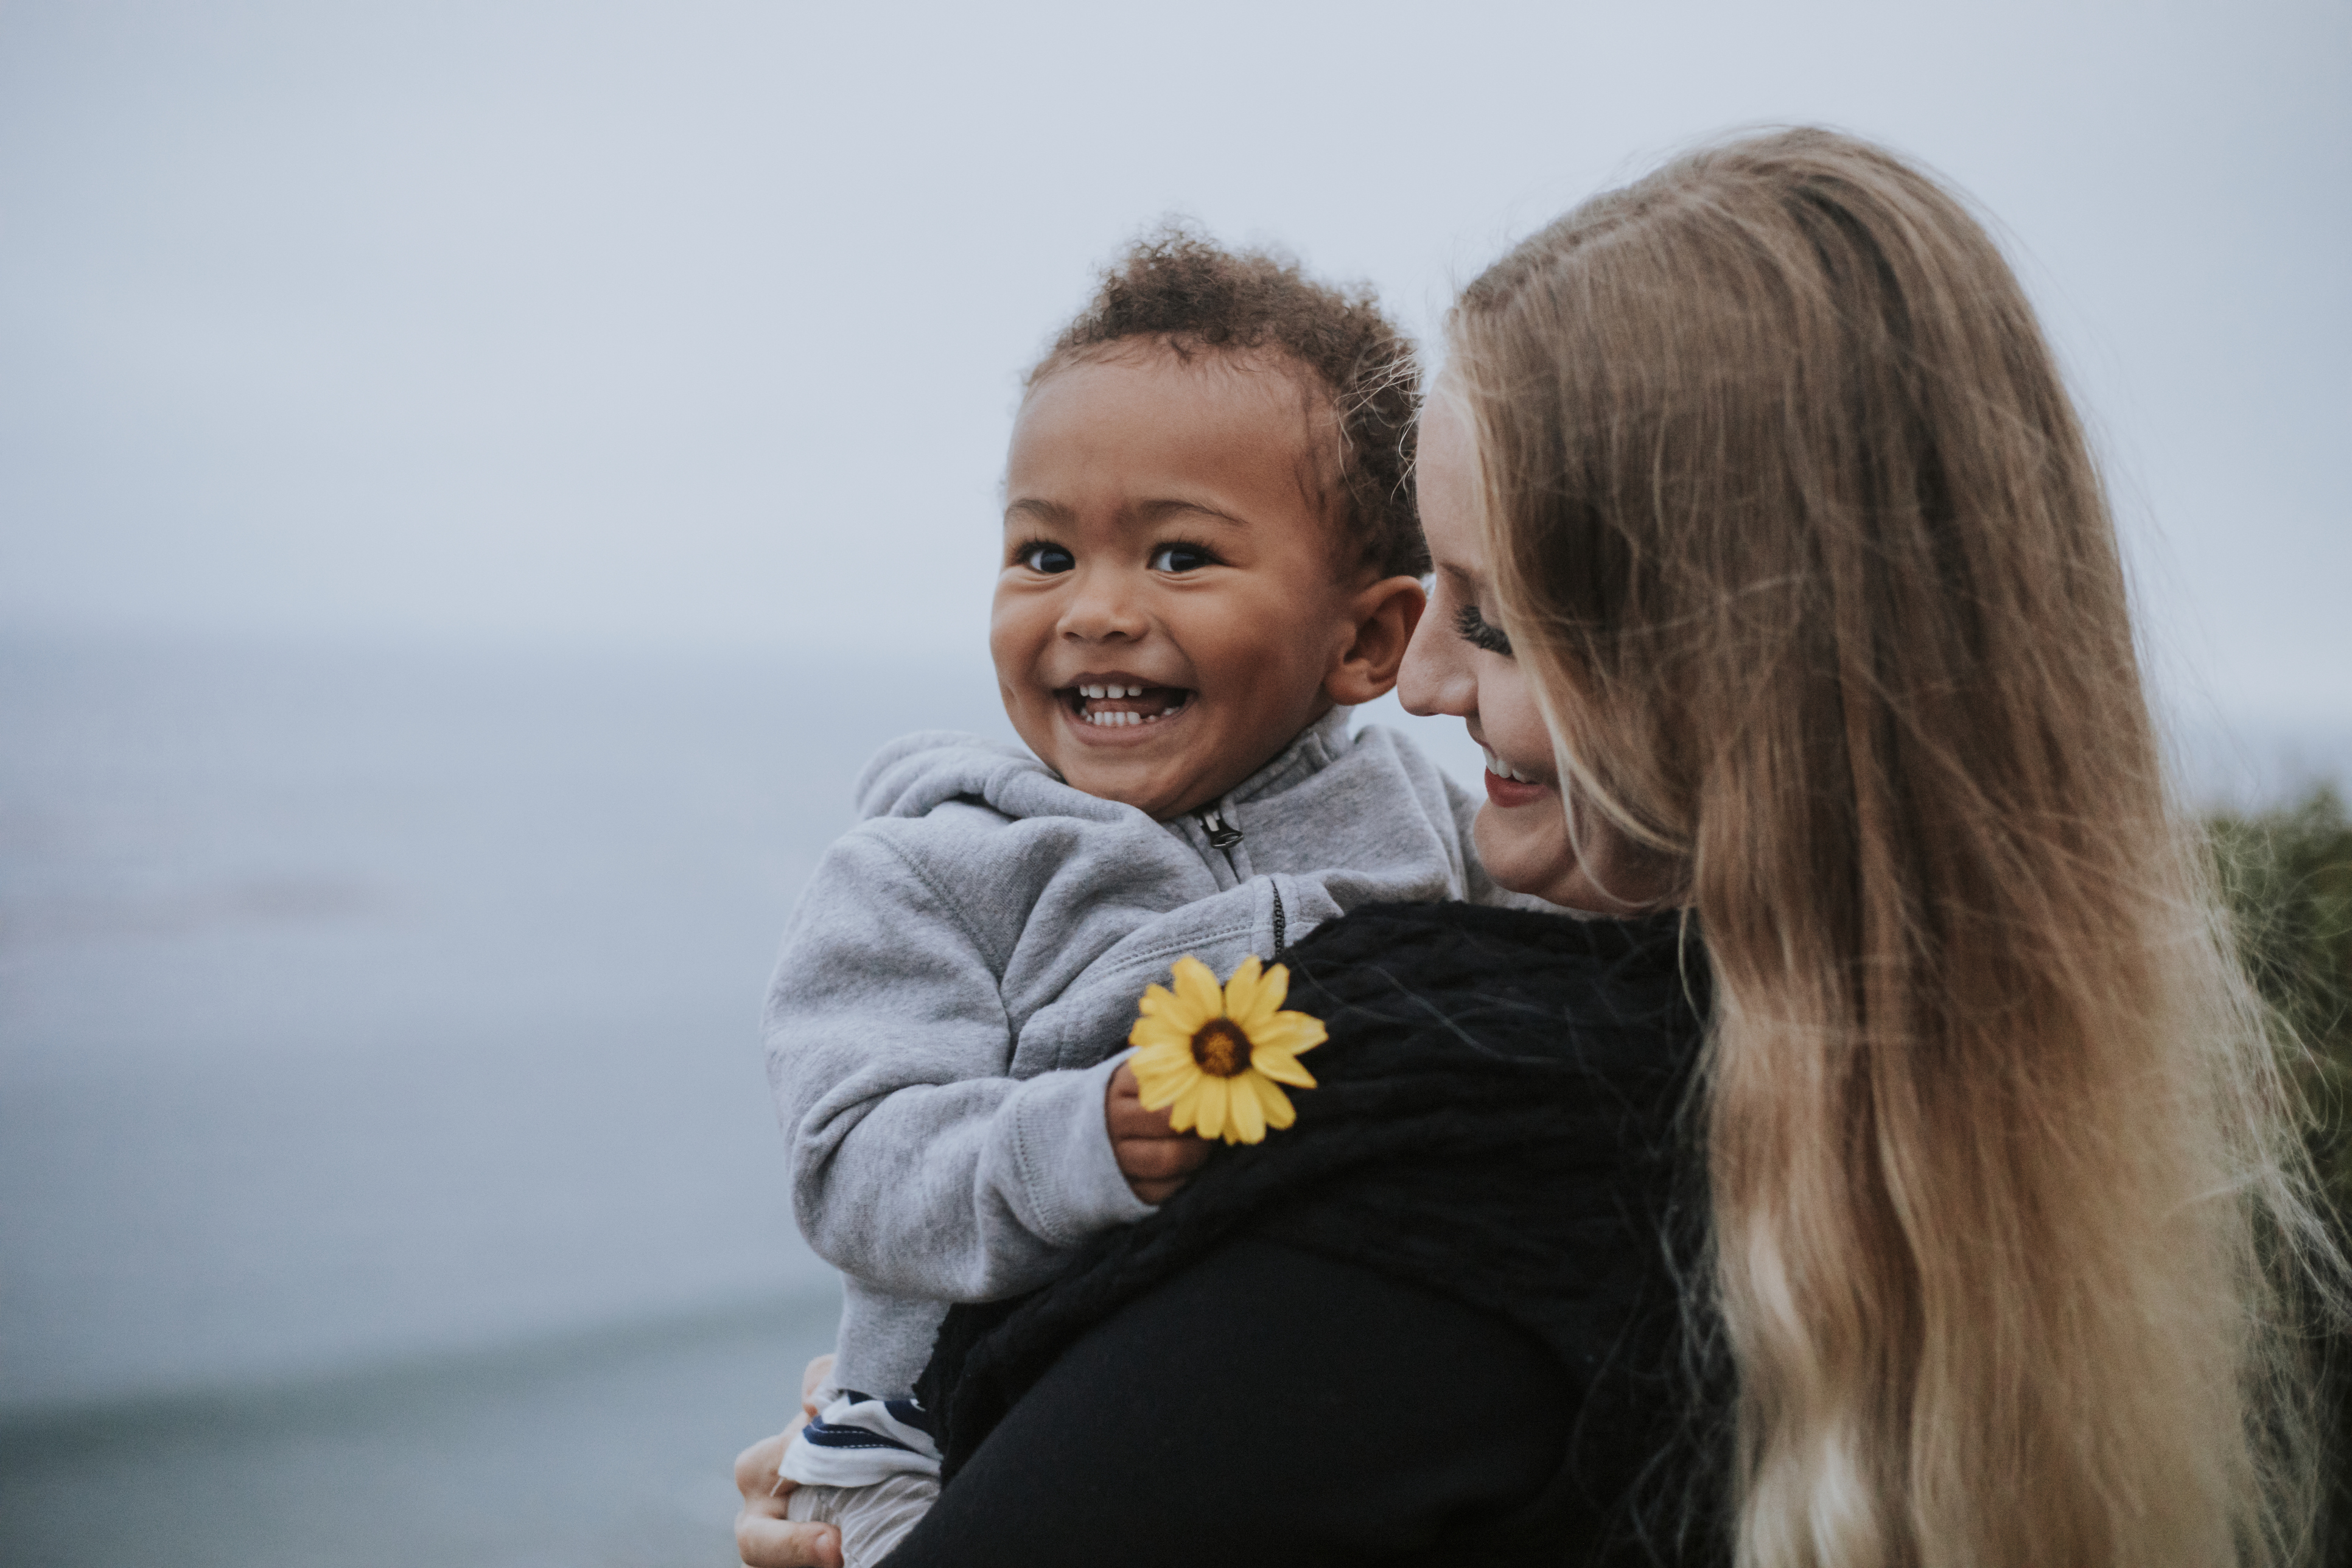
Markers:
1102,606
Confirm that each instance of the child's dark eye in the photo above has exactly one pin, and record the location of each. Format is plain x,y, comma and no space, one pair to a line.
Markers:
1182,558
1047,558
1479,632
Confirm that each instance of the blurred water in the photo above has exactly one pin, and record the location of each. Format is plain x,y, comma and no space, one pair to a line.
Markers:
598,1451
358,1004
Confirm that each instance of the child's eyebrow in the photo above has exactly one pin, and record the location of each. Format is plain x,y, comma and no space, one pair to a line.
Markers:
1159,511
1039,510
1036,509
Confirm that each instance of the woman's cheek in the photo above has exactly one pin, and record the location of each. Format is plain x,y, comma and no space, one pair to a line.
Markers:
1501,850
1525,850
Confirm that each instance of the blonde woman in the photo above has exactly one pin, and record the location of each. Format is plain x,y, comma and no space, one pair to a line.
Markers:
1889,1169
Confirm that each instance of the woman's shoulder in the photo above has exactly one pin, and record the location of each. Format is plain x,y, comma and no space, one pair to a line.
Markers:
1458,979
1438,941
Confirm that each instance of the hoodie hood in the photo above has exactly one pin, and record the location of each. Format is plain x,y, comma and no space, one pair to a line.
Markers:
916,773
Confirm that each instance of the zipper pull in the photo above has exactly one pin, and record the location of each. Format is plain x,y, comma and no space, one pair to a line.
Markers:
1221,837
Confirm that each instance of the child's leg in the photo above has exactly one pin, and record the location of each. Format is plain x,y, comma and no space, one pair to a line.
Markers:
873,1519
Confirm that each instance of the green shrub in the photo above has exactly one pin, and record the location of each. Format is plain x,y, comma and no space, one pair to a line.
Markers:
2288,877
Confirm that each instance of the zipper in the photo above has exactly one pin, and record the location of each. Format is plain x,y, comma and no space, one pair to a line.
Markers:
1223,836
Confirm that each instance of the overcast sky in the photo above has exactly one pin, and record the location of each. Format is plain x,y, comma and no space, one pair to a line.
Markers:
701,322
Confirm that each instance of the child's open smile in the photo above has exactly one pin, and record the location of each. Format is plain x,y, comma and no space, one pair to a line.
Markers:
1169,611
1123,699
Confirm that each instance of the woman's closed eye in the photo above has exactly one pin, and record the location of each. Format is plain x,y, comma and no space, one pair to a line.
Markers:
1039,555
1479,632
1180,556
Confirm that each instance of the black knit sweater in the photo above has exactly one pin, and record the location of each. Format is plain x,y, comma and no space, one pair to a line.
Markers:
1483,1187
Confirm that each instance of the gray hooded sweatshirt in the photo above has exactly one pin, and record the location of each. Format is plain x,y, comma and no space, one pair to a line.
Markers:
958,981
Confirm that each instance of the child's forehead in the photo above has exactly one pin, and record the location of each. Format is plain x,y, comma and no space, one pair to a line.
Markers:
1257,377
1114,463
1151,406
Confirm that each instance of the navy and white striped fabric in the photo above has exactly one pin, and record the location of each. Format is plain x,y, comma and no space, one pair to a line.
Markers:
858,1440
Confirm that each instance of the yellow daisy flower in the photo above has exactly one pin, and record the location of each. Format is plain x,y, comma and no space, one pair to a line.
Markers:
1214,1057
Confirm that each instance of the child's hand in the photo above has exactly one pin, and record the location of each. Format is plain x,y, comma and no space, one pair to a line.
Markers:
1155,1159
812,1380
764,1537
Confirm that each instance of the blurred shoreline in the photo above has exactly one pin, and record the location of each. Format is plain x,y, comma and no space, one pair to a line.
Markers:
605,1449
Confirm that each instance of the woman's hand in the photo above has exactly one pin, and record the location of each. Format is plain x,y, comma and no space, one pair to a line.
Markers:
1155,1159
764,1537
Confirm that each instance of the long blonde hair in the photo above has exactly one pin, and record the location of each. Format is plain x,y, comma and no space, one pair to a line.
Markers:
1801,542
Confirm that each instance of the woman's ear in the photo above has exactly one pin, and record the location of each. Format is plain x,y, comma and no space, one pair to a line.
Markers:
1384,617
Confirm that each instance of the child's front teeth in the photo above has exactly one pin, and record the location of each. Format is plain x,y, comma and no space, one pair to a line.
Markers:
1173,703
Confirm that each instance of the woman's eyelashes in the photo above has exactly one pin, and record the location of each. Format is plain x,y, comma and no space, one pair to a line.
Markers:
1040,556
1179,556
1479,632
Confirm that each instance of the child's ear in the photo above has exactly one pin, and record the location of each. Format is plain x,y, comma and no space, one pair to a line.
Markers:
1384,617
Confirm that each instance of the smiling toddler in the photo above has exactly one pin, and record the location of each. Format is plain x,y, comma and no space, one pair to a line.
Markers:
1210,555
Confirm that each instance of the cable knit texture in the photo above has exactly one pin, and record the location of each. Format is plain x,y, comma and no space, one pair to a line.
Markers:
1495,1121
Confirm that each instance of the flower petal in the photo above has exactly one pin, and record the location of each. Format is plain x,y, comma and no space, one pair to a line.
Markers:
1268,1000
1212,1106
1159,1002
1162,1087
1162,1056
1197,995
1187,1109
1282,1067
1159,1034
1241,992
1287,1032
1276,1104
1247,1110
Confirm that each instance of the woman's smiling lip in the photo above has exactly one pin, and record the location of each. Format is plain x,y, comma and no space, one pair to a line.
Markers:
1507,785
1507,793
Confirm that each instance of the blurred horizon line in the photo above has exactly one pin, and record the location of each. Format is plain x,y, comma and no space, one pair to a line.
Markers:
278,1397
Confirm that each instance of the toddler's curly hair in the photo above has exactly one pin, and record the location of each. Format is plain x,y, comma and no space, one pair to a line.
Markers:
1176,285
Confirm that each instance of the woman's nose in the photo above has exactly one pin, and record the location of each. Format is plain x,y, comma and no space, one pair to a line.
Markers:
1436,676
1103,606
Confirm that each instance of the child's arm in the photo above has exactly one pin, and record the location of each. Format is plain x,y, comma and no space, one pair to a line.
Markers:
918,1164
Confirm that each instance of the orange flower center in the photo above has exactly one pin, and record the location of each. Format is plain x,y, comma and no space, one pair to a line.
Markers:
1221,1048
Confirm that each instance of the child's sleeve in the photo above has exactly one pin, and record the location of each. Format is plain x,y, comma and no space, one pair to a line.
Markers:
918,1164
